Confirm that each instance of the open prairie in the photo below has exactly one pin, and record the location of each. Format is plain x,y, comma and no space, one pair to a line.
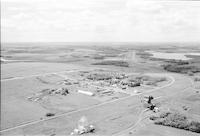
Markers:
45,90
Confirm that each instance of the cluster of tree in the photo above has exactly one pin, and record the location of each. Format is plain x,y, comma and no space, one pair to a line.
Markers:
176,120
181,68
113,62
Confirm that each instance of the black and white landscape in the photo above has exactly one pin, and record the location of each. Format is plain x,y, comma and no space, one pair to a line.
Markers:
100,67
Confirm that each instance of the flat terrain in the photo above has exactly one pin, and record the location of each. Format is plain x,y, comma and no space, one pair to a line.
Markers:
40,80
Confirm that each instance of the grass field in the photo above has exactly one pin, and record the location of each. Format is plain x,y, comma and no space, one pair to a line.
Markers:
118,77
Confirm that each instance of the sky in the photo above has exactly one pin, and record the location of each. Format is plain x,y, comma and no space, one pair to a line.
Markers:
100,21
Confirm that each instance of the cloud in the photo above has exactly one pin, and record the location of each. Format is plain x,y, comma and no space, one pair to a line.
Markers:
100,20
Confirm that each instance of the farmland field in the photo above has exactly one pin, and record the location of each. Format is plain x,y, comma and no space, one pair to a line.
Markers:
46,89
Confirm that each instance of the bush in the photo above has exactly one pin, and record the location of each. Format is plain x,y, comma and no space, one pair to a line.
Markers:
196,79
99,76
113,62
50,114
190,73
164,114
194,126
181,68
134,84
178,62
153,118
176,120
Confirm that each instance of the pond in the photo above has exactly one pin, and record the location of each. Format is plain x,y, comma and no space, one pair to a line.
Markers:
176,56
